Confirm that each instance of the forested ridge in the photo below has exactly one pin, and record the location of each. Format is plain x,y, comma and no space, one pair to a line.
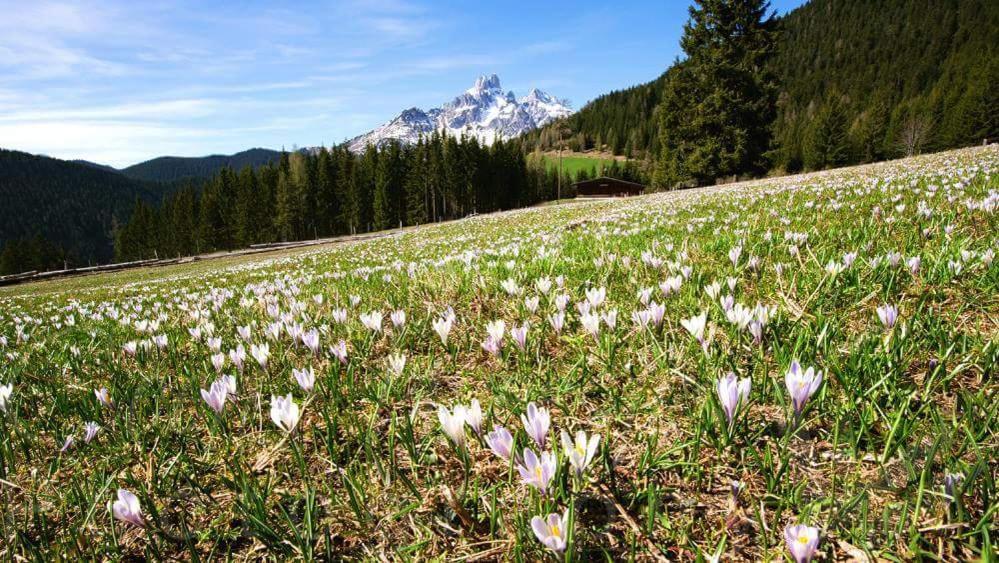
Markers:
856,81
176,168
54,212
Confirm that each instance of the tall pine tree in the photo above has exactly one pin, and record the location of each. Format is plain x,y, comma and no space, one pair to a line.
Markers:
718,104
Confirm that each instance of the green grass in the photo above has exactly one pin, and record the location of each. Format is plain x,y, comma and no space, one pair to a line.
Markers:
369,473
573,164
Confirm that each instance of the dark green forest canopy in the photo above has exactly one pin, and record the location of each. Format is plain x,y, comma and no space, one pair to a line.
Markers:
174,168
74,207
907,76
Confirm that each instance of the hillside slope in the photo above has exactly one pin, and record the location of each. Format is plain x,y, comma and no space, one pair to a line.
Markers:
174,168
74,206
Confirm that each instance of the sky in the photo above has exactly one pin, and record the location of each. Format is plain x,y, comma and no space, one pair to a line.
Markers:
120,82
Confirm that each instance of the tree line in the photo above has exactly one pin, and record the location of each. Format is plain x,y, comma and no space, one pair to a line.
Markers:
330,192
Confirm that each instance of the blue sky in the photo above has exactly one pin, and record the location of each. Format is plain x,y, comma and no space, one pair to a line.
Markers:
121,82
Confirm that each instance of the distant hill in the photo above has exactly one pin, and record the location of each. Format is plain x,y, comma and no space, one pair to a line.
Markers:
103,167
888,64
75,206
175,168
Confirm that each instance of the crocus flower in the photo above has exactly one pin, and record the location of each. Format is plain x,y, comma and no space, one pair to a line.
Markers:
536,422
218,362
551,530
453,423
397,363
372,320
90,431
339,351
491,345
442,327
284,412
5,392
496,329
801,541
500,441
216,396
306,378
543,285
801,385
473,416
596,296
70,440
531,303
736,488
261,353
951,480
230,384
557,321
581,451
695,326
733,255
130,347
398,318
103,397
656,313
732,392
888,315
238,356
160,340
519,335
127,508
537,472
311,340
591,323
610,318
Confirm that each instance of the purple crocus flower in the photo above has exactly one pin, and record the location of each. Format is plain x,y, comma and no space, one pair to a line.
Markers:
801,385
732,392
500,441
103,397
551,530
339,351
306,378
801,541
216,396
519,335
127,508
951,480
888,315
536,422
90,431
537,472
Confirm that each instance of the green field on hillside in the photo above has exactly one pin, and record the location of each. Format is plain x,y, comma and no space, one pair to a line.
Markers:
573,164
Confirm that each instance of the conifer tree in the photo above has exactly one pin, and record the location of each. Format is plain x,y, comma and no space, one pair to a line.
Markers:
718,104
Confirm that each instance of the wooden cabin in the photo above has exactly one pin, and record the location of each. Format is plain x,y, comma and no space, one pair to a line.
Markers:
607,187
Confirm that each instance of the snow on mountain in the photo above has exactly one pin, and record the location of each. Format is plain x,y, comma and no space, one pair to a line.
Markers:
484,111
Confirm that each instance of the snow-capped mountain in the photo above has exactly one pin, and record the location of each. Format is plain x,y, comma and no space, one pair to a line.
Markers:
484,111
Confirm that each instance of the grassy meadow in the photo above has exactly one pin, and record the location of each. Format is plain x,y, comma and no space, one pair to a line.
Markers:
816,350
572,163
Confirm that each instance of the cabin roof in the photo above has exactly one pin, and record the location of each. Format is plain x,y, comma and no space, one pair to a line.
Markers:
607,179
